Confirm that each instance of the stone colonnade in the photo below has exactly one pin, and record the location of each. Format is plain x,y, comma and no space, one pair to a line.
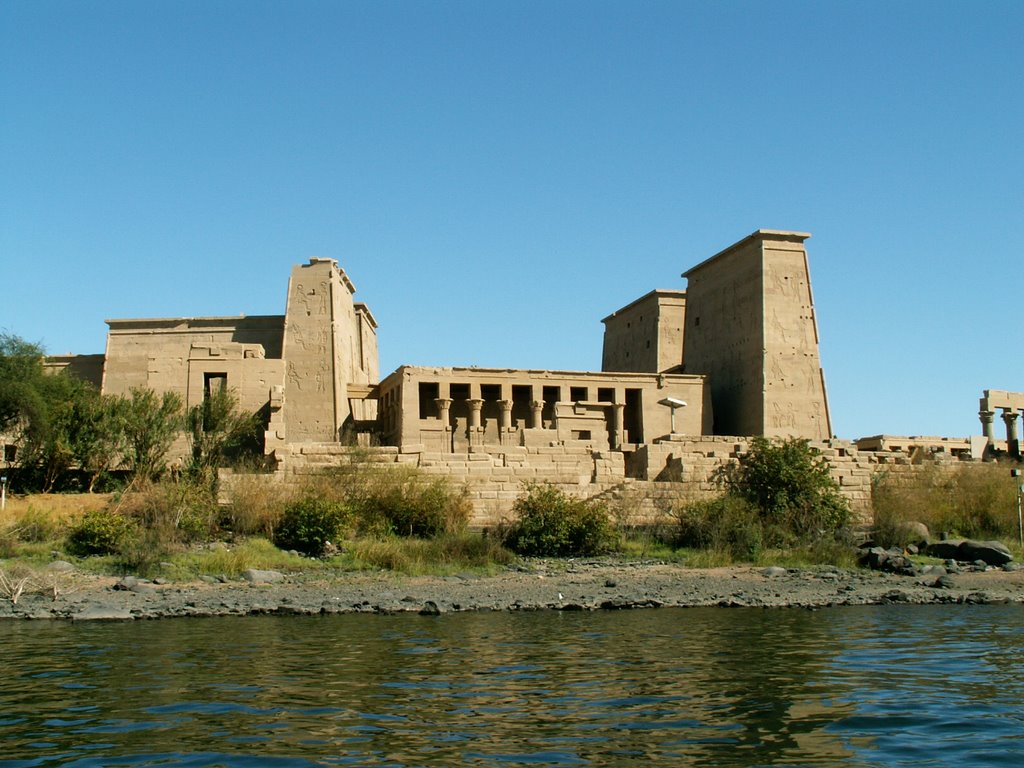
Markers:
1010,404
475,426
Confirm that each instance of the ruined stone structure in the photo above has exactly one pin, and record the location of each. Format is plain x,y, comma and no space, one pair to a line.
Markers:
746,321
316,357
1011,404
687,377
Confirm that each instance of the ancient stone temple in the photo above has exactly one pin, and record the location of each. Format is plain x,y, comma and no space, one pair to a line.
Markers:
736,353
309,368
687,377
746,321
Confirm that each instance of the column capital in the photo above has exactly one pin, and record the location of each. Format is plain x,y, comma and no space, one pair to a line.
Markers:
475,403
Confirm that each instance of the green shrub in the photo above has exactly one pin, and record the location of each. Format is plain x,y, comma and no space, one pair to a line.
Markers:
385,500
309,524
444,554
99,532
552,524
790,487
728,524
412,506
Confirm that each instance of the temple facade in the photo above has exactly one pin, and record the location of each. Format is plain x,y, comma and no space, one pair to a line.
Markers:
736,353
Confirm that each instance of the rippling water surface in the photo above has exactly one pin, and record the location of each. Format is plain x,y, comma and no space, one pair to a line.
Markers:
882,686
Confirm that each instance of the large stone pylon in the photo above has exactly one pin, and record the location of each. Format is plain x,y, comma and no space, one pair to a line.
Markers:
751,327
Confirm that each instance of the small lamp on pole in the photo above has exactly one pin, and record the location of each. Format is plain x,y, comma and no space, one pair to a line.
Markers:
674,404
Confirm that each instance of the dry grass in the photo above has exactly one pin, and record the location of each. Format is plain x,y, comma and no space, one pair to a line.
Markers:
255,504
972,500
59,506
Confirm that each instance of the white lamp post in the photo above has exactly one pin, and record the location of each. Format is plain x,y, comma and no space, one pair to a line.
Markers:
674,404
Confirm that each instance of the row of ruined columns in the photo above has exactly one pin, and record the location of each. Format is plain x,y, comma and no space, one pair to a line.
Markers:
1009,416
476,428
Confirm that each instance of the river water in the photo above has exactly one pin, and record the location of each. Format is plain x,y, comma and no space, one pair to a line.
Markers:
874,686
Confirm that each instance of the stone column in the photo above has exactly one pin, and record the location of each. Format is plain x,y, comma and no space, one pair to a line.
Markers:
506,419
618,433
986,425
475,430
1010,419
444,405
536,414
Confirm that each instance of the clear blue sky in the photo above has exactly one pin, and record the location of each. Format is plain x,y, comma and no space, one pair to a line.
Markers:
496,177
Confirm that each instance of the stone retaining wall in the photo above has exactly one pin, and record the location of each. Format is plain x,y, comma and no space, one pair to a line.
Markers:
640,486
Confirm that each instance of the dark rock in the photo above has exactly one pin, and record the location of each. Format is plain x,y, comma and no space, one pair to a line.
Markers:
944,582
896,596
873,558
989,552
947,549
430,608
968,551
887,560
571,607
610,583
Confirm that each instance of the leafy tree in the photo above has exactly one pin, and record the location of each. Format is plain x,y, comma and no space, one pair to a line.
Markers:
151,423
98,436
790,486
219,432
44,411
22,407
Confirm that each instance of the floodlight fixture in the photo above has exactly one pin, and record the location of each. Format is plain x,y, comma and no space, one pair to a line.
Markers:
673,403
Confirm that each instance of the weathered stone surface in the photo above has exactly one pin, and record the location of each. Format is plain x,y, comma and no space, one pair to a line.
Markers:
101,612
257,576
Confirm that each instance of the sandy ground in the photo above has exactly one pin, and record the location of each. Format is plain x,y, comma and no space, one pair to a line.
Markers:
538,585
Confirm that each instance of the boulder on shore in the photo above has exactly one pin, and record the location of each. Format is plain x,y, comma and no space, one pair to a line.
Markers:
968,551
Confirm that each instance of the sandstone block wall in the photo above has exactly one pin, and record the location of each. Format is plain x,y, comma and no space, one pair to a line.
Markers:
641,488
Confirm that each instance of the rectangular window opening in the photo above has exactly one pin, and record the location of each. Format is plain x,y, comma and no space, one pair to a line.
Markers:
429,391
214,383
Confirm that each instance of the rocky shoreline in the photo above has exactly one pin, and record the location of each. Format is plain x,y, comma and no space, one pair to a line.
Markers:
538,585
